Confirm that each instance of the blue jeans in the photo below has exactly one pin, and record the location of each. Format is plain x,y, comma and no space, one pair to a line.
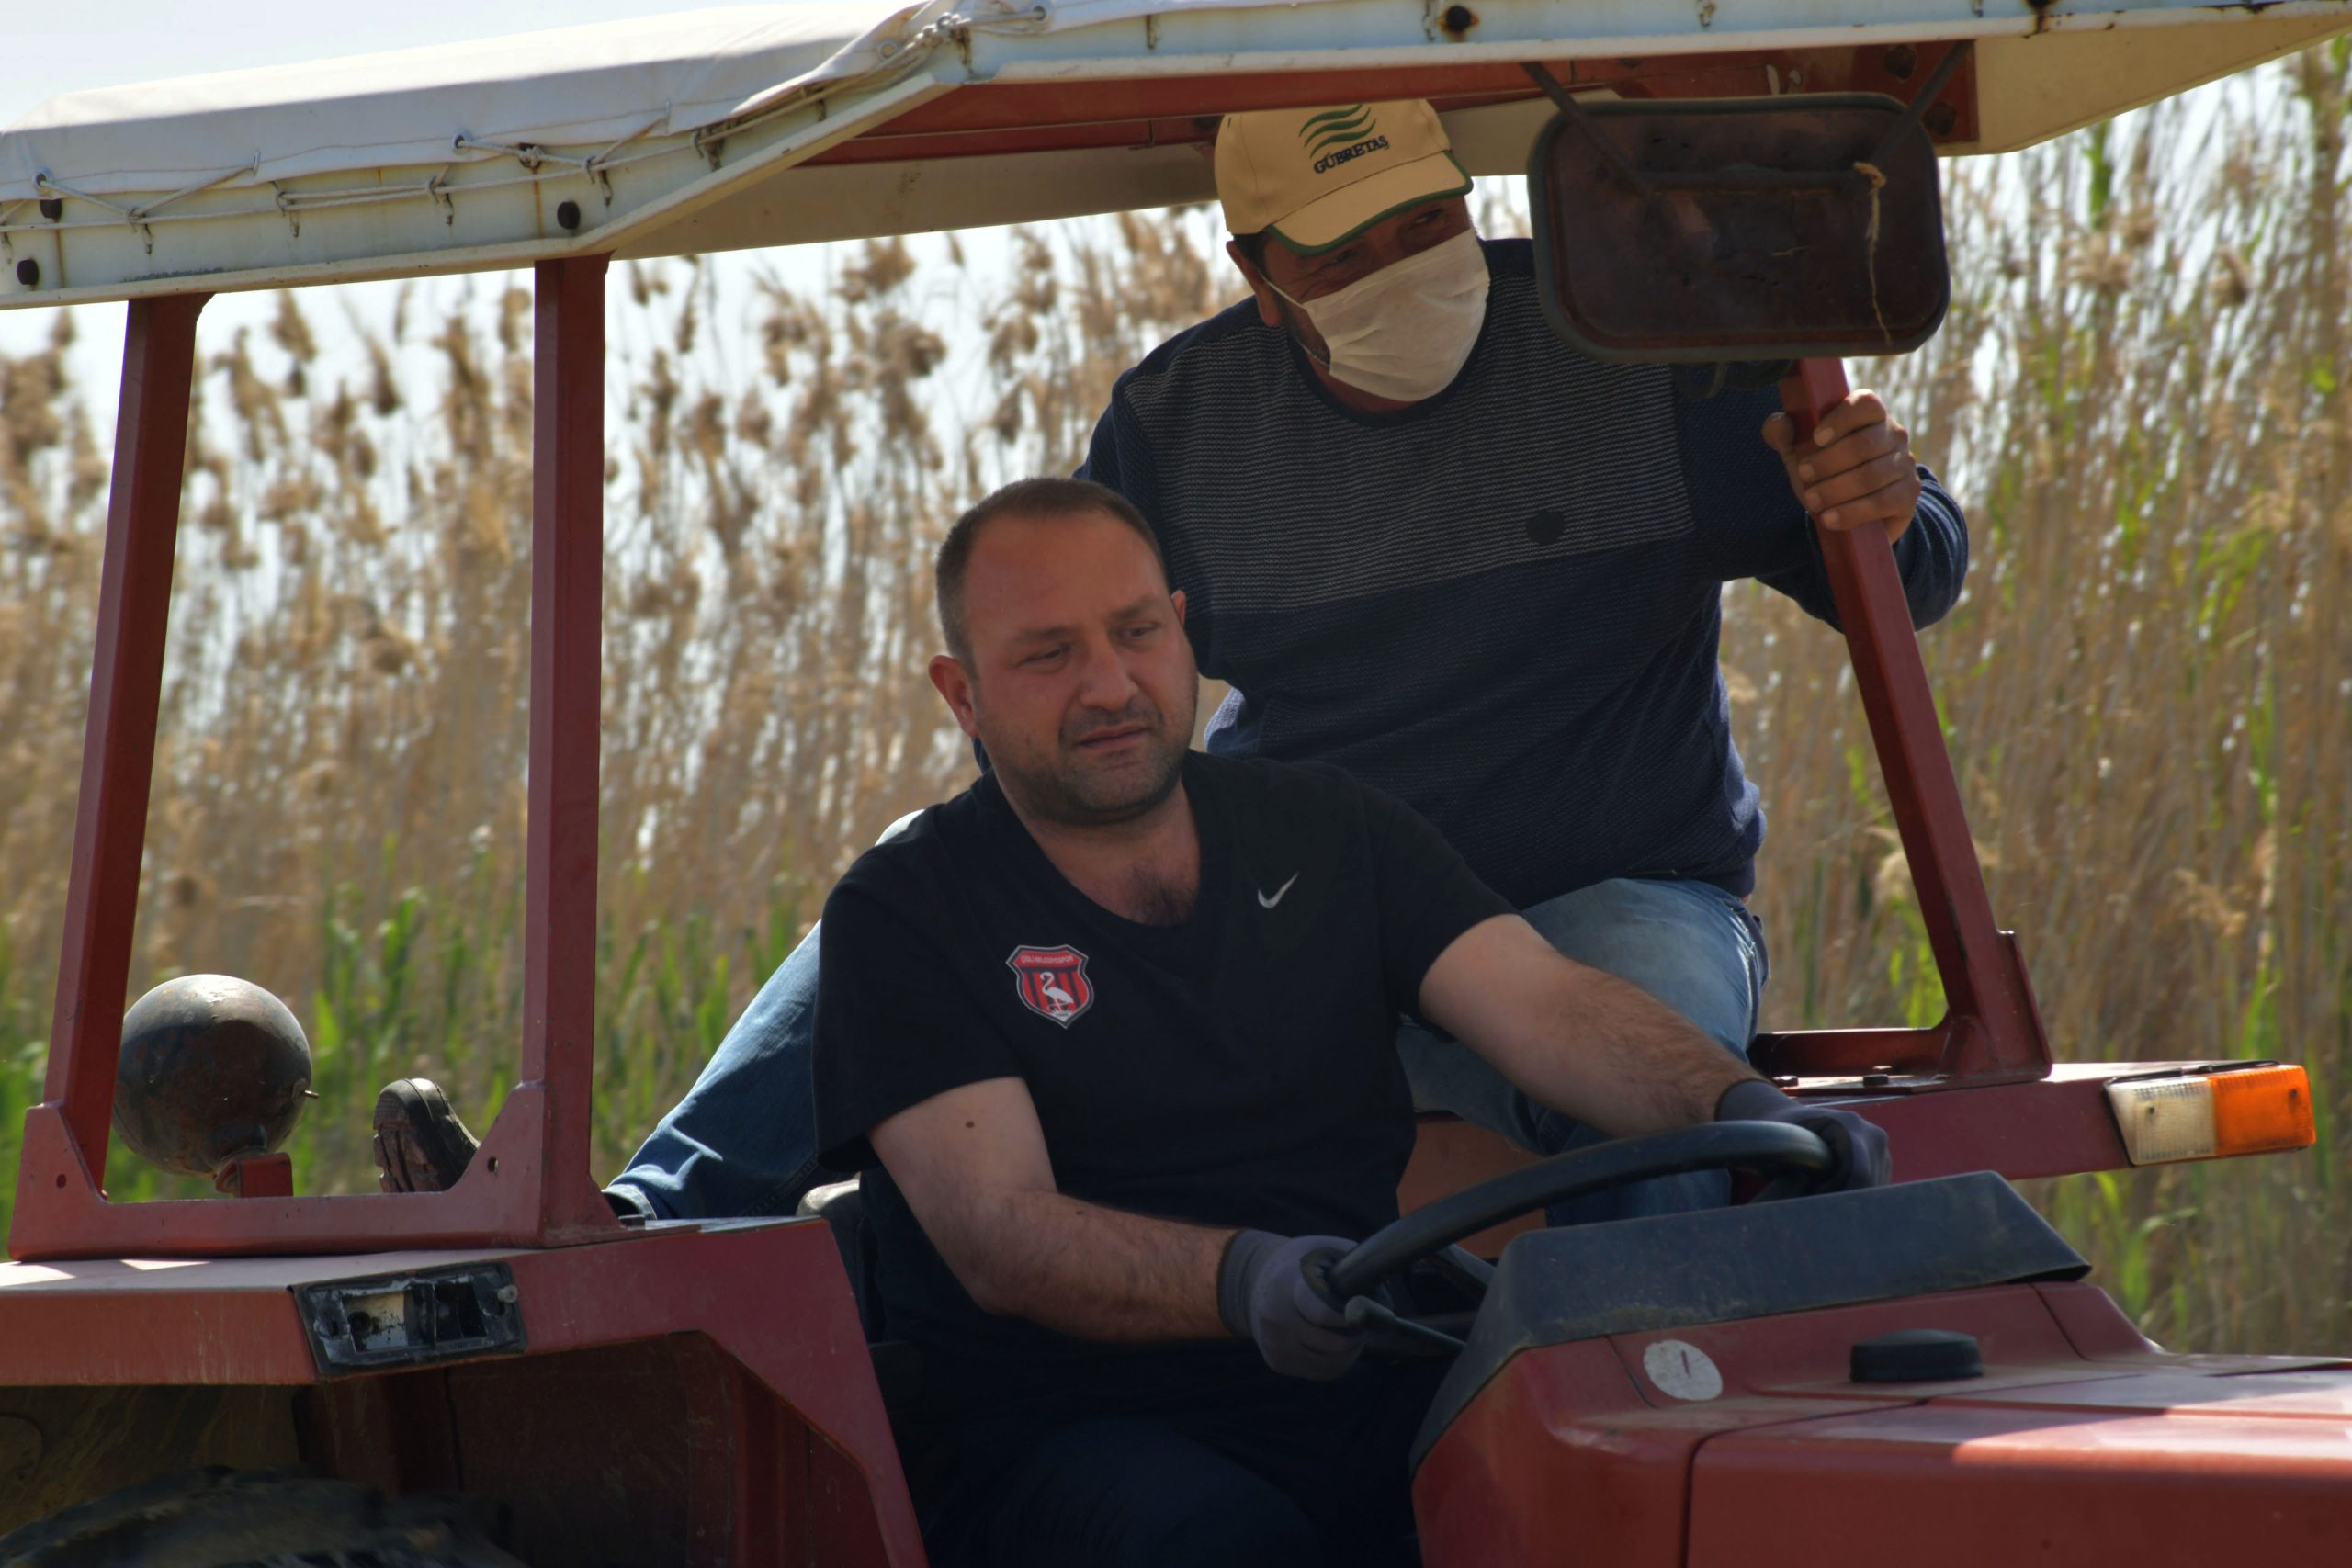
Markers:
743,1140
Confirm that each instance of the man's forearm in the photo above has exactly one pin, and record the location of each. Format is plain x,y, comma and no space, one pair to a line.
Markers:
1097,1273
1574,1038
1622,1061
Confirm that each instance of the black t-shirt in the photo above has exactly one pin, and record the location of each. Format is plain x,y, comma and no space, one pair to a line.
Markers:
1237,1069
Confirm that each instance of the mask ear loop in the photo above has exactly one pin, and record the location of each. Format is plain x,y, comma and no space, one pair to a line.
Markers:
1291,318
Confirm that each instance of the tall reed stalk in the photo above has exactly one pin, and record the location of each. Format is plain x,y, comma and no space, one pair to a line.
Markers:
2140,397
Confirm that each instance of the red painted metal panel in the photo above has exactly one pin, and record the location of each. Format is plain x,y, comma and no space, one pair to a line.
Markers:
1558,1460
773,1296
1804,1356
770,1296
841,1511
2167,1458
767,1504
397,1432
2058,1126
2094,1324
118,737
731,1439
590,1459
1954,1486
2263,1388
1029,116
661,1454
1573,1453
258,1176
125,1336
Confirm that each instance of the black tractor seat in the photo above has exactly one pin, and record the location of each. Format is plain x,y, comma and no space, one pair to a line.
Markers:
842,1205
897,1364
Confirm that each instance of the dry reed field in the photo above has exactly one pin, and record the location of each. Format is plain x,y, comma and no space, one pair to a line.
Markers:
2140,397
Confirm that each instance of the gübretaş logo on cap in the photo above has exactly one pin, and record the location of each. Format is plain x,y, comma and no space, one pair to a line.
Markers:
1341,136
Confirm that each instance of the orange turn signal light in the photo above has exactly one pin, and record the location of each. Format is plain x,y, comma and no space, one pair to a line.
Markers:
2262,1108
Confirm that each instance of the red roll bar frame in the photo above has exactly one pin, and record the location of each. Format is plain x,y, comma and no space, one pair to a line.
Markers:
1992,1031
529,1185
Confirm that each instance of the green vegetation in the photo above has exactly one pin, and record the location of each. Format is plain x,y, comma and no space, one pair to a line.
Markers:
2140,395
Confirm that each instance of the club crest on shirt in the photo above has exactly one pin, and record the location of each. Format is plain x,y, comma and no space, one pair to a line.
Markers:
1052,982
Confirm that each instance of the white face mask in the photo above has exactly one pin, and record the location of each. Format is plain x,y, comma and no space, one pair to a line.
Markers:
1404,332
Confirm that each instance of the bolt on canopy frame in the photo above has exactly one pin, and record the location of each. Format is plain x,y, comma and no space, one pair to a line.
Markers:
722,129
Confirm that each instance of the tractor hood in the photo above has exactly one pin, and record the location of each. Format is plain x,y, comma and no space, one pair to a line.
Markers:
2195,1460
1674,1271
1711,1389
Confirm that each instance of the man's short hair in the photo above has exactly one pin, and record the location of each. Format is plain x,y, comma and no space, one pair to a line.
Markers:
1252,247
1041,498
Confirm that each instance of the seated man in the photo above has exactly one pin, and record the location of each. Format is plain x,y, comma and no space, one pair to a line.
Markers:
1112,1036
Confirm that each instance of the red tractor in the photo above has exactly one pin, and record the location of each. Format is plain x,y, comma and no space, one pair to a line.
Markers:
504,1371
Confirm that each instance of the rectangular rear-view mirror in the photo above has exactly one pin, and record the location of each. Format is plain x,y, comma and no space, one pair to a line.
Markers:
1740,229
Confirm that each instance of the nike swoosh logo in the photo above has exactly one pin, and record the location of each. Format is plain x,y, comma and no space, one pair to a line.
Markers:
1266,903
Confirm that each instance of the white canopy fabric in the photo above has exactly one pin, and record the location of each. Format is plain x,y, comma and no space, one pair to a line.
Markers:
778,124
588,85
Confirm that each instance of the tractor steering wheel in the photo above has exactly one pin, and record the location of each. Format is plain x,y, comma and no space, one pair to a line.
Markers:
1762,1146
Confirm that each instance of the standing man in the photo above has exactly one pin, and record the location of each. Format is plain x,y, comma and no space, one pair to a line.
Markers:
1424,539
1110,1035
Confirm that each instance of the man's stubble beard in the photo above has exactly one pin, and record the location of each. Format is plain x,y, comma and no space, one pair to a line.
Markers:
1063,791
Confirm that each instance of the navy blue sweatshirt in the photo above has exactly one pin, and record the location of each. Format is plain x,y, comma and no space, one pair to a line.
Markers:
1500,605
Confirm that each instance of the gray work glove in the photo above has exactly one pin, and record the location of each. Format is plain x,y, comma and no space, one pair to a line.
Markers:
1263,1294
1858,1147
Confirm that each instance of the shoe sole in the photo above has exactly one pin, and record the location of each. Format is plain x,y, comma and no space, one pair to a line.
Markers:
418,1108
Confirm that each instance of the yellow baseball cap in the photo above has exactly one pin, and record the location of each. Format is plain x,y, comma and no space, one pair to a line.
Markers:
1317,177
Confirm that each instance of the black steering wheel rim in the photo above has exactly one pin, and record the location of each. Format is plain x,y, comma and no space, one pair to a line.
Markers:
1766,1146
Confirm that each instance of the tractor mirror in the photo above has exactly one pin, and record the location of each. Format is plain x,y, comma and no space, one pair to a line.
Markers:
1745,229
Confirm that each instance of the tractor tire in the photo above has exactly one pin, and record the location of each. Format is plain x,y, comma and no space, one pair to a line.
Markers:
217,1518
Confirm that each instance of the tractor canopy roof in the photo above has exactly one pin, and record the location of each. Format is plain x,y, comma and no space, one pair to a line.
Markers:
768,125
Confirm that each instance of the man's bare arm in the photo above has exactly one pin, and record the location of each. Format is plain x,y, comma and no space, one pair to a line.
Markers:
972,1163
1582,1041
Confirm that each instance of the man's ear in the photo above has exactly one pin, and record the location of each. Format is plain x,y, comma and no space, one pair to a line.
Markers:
1177,599
1269,311
954,683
